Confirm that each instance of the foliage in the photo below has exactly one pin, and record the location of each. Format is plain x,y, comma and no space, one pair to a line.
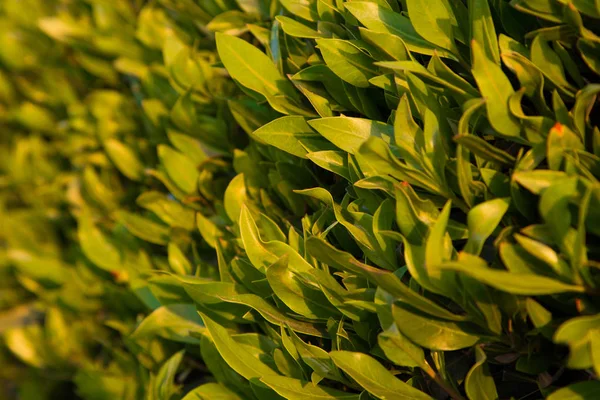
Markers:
299,199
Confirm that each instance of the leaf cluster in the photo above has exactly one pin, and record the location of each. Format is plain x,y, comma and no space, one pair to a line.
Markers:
299,199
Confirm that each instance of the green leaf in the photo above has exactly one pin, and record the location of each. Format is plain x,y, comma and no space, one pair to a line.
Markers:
530,77
317,359
479,300
576,333
19,316
484,149
550,64
360,226
211,391
183,114
516,283
180,168
407,133
497,183
334,161
235,197
483,30
164,383
125,159
479,383
250,115
302,8
173,322
374,377
382,221
560,138
348,302
231,22
391,46
297,296
252,68
547,255
589,52
438,248
454,84
400,350
534,126
377,158
208,292
335,258
263,254
237,357
382,20
208,229
319,98
463,155
350,133
436,131
173,189
576,391
292,135
96,246
461,88
297,29
538,314
433,20
144,228
581,111
27,344
98,190
189,146
538,180
287,364
169,210
178,261
295,389
483,220
595,349
554,209
431,332
496,90
347,61
48,271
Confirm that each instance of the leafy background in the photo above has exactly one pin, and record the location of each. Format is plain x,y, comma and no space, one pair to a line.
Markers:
299,199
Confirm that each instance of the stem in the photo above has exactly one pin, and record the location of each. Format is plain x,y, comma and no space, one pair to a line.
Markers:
443,384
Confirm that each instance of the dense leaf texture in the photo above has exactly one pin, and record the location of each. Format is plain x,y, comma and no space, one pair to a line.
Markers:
299,199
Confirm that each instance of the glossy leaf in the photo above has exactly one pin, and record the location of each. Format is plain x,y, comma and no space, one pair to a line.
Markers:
496,90
238,358
349,134
295,389
479,383
483,219
433,333
516,283
347,61
292,135
433,21
371,375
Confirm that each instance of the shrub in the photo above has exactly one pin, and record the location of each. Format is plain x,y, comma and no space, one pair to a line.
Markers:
299,199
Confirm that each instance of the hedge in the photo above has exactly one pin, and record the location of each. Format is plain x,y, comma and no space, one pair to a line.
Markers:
299,199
